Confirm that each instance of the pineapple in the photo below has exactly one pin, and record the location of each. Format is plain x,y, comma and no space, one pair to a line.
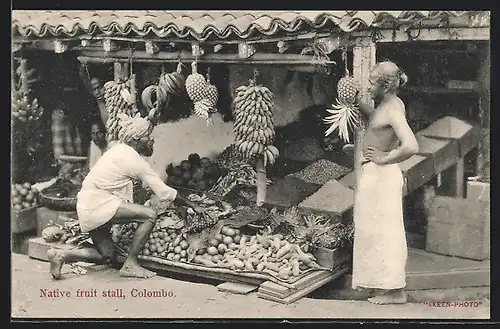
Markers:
344,114
347,90
196,85
337,237
212,95
314,227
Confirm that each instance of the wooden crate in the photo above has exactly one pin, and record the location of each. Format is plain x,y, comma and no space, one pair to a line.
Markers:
444,152
459,227
45,215
478,191
452,128
23,220
330,258
417,170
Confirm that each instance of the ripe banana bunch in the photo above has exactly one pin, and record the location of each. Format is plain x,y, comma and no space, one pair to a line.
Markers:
253,124
23,109
119,98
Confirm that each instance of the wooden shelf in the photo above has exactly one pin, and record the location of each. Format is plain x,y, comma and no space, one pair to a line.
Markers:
438,90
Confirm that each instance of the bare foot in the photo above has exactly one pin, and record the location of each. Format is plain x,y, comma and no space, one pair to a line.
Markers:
132,270
392,297
56,263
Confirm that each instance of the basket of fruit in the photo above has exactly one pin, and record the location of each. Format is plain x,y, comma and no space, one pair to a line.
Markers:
60,196
194,174
23,203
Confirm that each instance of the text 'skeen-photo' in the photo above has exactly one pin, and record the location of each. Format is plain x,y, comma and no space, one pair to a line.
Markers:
231,164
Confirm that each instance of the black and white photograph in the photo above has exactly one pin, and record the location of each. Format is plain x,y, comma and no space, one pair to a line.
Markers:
259,164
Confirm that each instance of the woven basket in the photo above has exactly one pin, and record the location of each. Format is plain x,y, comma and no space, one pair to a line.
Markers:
58,203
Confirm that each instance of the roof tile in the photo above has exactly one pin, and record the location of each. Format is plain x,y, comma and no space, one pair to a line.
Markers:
198,25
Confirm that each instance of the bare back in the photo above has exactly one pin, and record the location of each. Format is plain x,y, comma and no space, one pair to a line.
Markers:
380,134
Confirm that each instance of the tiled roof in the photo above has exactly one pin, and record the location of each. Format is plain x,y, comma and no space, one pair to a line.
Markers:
199,25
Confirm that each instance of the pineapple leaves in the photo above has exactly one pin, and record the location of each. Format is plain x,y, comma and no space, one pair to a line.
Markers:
344,117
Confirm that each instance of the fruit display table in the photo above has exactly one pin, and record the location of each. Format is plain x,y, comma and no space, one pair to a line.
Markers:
269,287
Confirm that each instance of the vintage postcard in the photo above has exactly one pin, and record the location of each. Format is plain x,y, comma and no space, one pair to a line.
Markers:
250,164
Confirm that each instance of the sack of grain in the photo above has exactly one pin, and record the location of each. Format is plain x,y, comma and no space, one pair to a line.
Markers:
321,172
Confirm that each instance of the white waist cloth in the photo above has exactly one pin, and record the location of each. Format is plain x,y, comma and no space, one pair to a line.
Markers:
109,183
380,251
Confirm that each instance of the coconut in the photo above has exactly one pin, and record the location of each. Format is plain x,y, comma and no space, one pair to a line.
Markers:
199,174
186,165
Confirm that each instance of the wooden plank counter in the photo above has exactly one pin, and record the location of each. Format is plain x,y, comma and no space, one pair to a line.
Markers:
451,128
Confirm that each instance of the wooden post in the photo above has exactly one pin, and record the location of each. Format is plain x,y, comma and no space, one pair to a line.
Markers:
261,180
260,167
484,111
453,180
363,61
121,71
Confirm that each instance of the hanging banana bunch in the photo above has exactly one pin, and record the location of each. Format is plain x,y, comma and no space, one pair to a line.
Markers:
344,113
155,97
119,97
253,124
24,107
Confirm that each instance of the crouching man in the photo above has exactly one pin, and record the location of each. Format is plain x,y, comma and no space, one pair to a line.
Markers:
106,199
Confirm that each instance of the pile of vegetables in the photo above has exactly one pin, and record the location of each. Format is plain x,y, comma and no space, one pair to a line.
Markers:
220,244
23,196
69,232
229,157
261,253
240,174
195,173
308,230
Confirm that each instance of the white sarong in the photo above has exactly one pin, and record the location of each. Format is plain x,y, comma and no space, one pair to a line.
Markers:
380,251
110,182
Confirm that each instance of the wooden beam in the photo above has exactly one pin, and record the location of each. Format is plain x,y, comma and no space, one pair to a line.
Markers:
185,56
363,61
431,34
484,110
305,36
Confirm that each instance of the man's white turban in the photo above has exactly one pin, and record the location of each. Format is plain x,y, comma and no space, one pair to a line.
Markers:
133,127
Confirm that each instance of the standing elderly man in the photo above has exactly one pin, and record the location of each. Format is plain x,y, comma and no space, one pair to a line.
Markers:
106,199
380,250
